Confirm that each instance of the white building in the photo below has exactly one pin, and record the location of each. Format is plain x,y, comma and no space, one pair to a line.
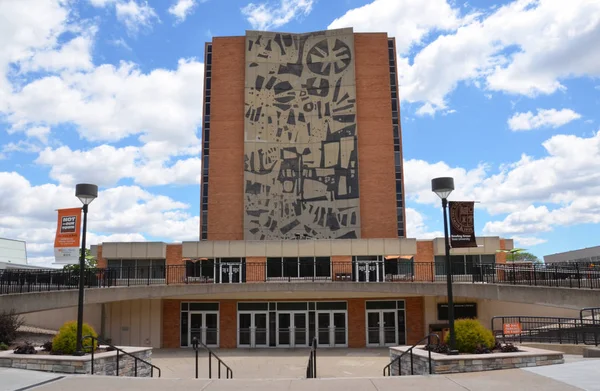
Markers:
583,256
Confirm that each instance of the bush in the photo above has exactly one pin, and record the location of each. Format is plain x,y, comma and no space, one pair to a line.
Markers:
3,346
9,325
47,346
25,348
470,334
65,341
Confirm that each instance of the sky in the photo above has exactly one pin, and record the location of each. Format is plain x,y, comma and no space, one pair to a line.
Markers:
502,96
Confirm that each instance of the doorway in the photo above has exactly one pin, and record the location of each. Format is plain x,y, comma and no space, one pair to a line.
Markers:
331,329
291,329
253,329
205,327
381,328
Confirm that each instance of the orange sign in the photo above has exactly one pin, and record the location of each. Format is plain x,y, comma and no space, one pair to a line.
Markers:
511,328
68,230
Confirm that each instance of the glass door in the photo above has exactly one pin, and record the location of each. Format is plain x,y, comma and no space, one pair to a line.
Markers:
369,271
284,325
196,322
300,331
261,330
331,328
339,329
388,327
212,329
205,327
230,272
382,328
245,329
252,331
323,329
373,332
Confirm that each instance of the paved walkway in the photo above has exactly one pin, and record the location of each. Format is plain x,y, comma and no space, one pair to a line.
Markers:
514,380
274,363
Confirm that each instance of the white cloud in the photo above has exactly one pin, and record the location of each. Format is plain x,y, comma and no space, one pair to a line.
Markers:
525,47
27,213
534,195
409,21
73,55
551,118
135,15
110,103
416,227
265,16
182,8
120,42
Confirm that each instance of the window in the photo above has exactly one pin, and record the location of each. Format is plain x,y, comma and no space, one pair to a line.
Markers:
203,269
137,268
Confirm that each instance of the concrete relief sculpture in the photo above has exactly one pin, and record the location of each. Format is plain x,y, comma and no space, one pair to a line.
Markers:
301,161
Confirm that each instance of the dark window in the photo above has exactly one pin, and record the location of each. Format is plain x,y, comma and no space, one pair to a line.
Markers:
323,267
332,305
204,306
381,305
184,328
253,306
290,267
274,267
293,306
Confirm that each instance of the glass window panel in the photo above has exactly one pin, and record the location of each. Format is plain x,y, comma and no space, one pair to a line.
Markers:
332,305
381,305
204,306
274,267
323,266
307,266
292,306
253,306
290,267
158,268
488,258
184,328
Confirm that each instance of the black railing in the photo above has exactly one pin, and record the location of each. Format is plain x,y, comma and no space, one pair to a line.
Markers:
311,367
26,280
196,343
120,352
546,329
387,370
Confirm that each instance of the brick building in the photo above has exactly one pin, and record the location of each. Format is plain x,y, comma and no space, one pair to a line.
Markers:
302,183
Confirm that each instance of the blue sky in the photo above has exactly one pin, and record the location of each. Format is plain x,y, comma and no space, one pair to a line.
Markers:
502,97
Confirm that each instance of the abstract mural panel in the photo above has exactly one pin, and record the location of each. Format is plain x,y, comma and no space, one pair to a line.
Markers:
300,150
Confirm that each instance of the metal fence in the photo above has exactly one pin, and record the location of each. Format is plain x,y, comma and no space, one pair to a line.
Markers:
546,329
202,272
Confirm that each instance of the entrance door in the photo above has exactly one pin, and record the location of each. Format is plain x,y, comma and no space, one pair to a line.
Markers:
331,328
205,327
230,272
369,271
381,328
291,329
252,330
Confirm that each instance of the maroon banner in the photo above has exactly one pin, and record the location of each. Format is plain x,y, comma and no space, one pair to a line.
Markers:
462,224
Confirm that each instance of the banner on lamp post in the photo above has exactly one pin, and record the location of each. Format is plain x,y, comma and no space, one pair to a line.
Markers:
68,233
462,224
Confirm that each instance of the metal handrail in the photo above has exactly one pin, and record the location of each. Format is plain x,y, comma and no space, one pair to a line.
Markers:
311,367
119,350
388,367
229,371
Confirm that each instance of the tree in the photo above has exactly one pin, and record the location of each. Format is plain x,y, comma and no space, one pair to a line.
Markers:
520,255
90,262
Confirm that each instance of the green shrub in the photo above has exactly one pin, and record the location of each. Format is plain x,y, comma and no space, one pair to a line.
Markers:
9,325
3,346
470,334
65,342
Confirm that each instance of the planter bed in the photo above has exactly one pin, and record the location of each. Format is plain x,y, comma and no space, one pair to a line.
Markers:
105,363
443,363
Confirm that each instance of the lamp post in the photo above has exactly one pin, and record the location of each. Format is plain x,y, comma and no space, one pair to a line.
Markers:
86,194
443,187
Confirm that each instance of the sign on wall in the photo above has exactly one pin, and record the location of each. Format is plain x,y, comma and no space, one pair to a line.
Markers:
66,242
461,311
462,224
511,328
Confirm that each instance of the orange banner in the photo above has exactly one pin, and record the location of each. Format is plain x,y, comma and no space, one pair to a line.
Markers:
512,328
68,231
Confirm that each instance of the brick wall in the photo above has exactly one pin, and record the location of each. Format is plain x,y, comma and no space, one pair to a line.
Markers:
501,257
101,262
256,269
356,323
341,265
175,275
171,323
375,138
226,171
228,324
415,319
424,266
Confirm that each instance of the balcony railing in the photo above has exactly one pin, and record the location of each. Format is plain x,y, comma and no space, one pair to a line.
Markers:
23,281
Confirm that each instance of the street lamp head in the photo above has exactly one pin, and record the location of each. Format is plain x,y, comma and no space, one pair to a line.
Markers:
442,186
86,193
